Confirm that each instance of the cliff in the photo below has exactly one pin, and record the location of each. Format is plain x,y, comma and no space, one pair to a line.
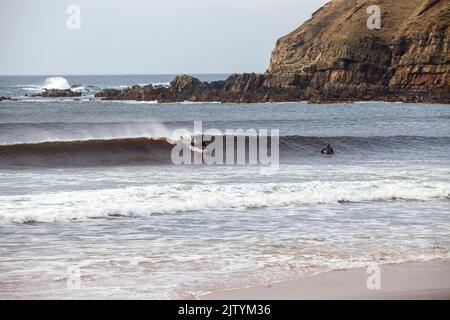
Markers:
335,57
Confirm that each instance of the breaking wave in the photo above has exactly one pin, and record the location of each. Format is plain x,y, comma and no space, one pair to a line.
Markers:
157,150
177,198
87,153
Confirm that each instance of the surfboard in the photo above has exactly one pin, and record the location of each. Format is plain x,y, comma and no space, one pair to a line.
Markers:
199,150
194,148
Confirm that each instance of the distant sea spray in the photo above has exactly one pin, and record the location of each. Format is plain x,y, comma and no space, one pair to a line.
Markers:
59,83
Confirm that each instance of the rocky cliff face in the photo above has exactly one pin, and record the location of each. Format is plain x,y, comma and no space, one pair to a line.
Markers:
335,57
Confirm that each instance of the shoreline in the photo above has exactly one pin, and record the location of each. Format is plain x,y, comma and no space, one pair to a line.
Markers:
427,280
56,95
187,88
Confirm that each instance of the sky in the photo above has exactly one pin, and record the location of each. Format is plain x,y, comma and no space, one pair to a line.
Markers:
144,36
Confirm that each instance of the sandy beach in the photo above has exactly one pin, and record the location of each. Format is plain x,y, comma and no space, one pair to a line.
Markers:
415,280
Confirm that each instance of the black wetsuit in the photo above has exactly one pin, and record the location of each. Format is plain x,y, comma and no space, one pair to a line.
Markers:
328,150
204,144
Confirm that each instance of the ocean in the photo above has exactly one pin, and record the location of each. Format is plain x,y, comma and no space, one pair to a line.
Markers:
91,205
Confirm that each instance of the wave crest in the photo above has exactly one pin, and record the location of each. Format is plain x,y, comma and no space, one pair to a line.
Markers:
87,153
157,150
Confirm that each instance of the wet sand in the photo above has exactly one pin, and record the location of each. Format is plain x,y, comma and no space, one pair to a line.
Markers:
415,280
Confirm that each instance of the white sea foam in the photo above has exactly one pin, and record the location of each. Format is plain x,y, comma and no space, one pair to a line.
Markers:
130,101
200,102
56,83
163,84
157,102
30,87
118,87
175,198
124,86
80,89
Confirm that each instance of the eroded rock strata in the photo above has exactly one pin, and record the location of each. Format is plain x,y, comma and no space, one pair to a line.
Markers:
335,57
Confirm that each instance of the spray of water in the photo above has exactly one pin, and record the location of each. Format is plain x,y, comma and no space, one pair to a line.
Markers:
56,83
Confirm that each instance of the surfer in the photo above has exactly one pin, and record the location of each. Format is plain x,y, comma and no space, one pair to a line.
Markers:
328,150
204,144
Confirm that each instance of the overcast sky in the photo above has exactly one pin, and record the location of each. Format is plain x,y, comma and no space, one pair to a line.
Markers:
145,36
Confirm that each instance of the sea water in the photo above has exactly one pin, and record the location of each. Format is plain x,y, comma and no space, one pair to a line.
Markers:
81,194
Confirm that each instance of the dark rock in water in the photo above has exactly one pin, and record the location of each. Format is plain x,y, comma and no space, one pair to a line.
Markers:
57,93
335,57
108,94
3,98
187,84
245,88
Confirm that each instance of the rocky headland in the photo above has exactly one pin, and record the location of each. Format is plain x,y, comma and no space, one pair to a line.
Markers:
335,57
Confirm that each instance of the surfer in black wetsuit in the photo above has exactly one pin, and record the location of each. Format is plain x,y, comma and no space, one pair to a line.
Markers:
328,150
204,144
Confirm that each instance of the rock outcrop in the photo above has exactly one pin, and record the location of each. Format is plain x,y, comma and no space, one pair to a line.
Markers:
3,98
339,58
334,56
58,93
243,88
